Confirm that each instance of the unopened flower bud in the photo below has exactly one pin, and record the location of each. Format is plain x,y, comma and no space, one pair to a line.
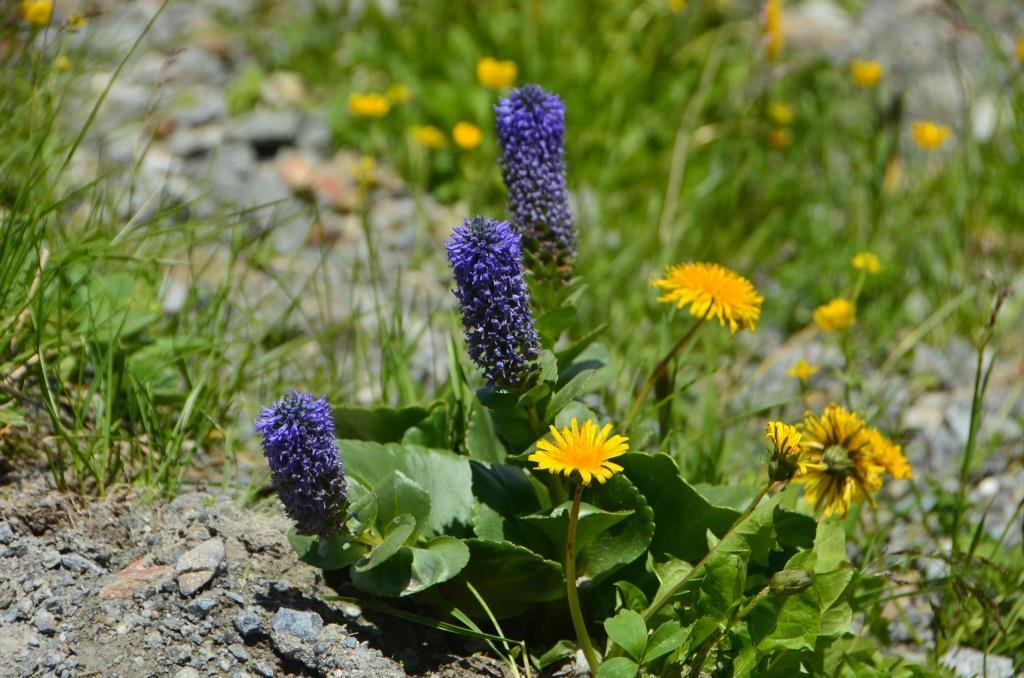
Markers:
791,582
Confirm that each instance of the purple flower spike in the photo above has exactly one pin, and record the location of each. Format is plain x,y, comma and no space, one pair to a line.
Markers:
486,258
308,474
531,129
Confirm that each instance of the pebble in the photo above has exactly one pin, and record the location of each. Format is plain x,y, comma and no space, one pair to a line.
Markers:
267,130
248,623
195,568
263,670
201,607
50,558
968,662
304,625
6,533
44,622
238,652
187,672
73,561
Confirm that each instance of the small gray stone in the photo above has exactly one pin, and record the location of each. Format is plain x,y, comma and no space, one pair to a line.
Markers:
187,672
267,130
195,568
73,561
968,662
248,623
238,652
44,622
234,597
201,606
263,670
6,533
50,558
305,625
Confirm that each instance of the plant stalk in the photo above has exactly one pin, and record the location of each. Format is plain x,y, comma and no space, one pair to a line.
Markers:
570,585
660,369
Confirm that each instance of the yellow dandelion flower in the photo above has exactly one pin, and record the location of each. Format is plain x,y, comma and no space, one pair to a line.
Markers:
788,455
399,94
836,315
77,21
1020,49
585,451
37,12
774,37
467,135
929,135
676,6
371,105
802,370
779,138
780,113
867,262
496,74
62,63
428,136
889,455
866,74
841,465
712,291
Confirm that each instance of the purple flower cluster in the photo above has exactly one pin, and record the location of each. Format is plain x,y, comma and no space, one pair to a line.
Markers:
531,129
486,258
308,474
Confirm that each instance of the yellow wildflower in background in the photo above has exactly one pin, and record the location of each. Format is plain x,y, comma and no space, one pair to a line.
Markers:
842,467
836,315
495,74
788,456
37,12
779,138
780,113
366,172
77,21
929,135
712,291
585,451
802,370
398,94
429,136
1020,49
866,73
867,262
467,135
62,63
371,105
889,455
677,6
774,37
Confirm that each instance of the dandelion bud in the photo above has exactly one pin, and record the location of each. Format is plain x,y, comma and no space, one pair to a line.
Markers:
306,468
791,582
786,453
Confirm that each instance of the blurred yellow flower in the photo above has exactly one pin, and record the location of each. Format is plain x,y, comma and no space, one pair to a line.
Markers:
77,21
780,113
429,136
712,291
889,455
467,135
866,73
495,74
371,105
836,315
802,370
1020,49
929,135
37,12
366,172
841,464
398,94
780,138
774,38
867,262
62,62
586,451
677,6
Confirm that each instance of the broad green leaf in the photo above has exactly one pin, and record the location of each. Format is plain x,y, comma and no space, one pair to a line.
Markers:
829,545
618,667
398,495
794,530
431,431
628,631
721,582
411,570
396,532
488,523
632,597
332,553
481,439
790,623
443,475
511,578
550,325
592,522
534,395
379,424
735,497
390,578
506,489
669,574
668,637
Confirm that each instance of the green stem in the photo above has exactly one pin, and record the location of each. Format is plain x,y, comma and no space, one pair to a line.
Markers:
570,585
664,598
660,369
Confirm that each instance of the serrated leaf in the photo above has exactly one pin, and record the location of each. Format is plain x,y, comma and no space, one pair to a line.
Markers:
628,631
618,667
399,495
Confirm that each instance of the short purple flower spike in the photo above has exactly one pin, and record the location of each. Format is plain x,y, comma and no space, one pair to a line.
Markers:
531,130
486,258
308,474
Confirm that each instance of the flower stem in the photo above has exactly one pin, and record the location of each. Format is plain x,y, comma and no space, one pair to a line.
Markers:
570,585
660,369
661,600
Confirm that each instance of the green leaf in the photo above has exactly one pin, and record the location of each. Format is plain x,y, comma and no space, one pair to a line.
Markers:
534,395
721,583
512,579
669,637
790,623
550,325
431,431
632,597
398,495
627,629
569,354
444,476
332,553
380,424
618,667
567,393
560,651
481,439
411,570
396,532
829,545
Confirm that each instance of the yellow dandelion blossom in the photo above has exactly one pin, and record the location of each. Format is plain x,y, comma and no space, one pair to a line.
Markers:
841,465
586,451
428,136
866,74
929,135
399,94
889,455
836,315
467,135
37,12
780,113
779,138
788,455
371,105
802,370
496,74
712,291
867,262
677,6
62,62
77,21
774,37
1020,49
